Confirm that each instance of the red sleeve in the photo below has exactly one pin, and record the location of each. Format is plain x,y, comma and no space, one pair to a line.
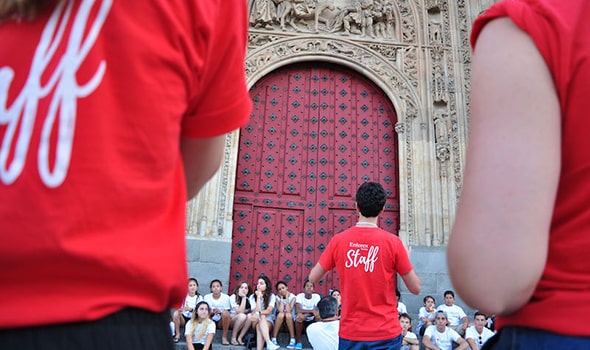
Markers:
327,261
219,101
546,24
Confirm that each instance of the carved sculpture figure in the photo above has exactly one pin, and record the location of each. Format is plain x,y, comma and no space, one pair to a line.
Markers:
291,10
352,19
262,13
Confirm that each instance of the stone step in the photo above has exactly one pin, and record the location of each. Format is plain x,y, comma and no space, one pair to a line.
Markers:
282,338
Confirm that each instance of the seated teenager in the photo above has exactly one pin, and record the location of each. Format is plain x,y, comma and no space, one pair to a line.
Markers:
220,306
478,334
409,339
306,310
440,337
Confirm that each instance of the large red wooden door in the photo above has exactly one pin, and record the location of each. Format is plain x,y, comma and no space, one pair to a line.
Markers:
316,133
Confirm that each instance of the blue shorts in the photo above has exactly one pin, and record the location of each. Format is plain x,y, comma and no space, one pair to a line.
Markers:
388,344
522,338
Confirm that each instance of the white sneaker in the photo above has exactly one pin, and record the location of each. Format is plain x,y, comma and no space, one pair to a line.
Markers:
271,346
291,344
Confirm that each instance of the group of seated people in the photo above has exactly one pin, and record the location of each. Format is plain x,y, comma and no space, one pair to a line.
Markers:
258,309
266,312
445,327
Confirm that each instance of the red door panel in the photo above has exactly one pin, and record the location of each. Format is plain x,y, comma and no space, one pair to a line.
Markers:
317,132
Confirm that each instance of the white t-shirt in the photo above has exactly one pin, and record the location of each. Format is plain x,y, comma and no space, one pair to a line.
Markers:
323,335
222,303
191,302
308,304
272,302
423,313
401,308
210,329
283,304
454,313
234,304
411,336
443,340
471,333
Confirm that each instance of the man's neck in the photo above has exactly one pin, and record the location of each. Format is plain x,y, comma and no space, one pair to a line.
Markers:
329,319
371,220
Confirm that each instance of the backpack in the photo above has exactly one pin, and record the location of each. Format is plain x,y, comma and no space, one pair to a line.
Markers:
250,340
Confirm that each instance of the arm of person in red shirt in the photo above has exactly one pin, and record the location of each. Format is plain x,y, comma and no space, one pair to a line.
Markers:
202,158
317,273
511,173
412,281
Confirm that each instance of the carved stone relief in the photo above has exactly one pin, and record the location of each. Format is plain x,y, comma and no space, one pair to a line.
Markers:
384,19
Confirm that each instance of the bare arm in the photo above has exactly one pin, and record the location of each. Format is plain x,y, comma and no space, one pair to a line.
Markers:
462,344
269,309
201,159
290,305
472,344
317,273
209,341
241,307
412,281
465,323
189,342
511,174
428,345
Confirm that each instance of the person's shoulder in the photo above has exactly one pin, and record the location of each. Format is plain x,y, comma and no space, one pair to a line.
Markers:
430,329
469,332
488,332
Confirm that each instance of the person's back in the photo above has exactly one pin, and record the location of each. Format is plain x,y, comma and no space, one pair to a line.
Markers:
534,56
100,103
367,259
365,297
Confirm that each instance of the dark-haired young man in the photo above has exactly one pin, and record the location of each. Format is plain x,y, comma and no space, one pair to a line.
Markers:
367,259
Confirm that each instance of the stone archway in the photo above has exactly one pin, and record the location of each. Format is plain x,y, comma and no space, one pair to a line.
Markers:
317,132
396,85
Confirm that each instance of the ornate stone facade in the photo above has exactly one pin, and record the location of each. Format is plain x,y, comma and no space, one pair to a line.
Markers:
416,51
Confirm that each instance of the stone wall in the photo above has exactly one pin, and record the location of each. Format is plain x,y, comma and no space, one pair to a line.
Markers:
431,265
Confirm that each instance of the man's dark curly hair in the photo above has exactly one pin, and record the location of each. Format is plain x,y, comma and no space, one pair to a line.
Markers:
370,199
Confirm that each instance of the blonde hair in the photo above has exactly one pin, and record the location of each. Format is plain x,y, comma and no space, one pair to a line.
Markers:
204,323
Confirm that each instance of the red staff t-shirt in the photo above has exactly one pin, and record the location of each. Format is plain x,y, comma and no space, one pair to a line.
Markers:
94,98
367,260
